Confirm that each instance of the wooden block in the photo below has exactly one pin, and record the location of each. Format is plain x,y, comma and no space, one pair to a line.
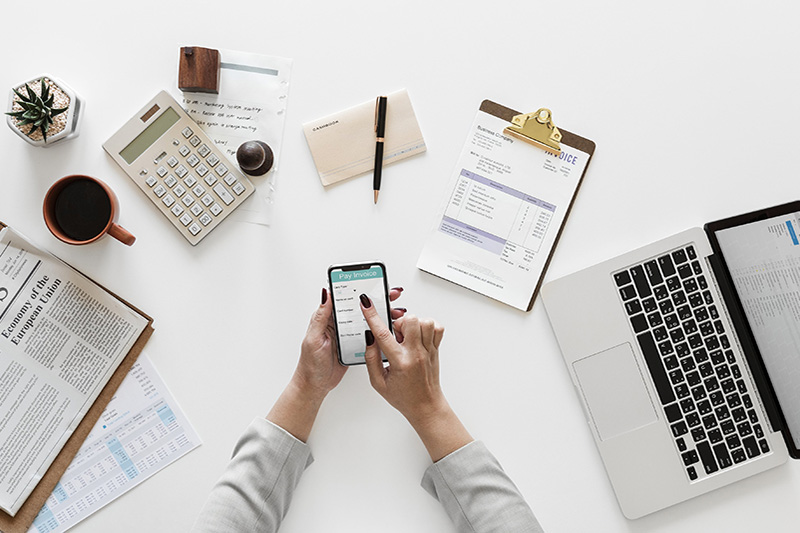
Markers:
199,70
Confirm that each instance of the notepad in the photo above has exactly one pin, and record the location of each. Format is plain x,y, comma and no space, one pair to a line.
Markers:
343,144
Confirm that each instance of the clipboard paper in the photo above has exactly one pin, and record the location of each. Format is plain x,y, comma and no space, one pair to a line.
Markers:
504,210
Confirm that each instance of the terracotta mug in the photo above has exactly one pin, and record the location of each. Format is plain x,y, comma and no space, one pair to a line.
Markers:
80,209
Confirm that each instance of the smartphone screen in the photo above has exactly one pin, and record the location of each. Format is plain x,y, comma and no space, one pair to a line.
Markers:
347,283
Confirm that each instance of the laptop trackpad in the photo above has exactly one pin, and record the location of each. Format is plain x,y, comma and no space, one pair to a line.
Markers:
613,387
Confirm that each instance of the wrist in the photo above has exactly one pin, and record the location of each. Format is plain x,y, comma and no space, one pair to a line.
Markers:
440,430
303,390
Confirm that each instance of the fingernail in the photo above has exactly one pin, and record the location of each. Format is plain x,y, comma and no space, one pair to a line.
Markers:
365,301
399,289
324,296
370,337
403,309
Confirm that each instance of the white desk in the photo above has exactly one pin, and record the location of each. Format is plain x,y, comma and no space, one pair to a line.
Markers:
696,96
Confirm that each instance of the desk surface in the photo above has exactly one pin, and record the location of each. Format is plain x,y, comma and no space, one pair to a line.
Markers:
690,96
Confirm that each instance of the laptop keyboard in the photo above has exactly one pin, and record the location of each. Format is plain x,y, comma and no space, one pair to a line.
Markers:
698,378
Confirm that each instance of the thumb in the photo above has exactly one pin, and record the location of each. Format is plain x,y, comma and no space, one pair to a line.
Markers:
372,356
322,315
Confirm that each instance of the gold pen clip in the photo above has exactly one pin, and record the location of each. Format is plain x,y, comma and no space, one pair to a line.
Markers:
537,129
377,105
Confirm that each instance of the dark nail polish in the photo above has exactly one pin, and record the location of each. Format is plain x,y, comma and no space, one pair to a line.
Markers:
365,301
324,295
369,337
398,289
403,309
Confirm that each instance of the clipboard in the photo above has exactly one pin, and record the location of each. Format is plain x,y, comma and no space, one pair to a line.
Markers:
22,520
553,138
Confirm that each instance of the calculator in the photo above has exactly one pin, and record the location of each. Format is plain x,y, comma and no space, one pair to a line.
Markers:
178,167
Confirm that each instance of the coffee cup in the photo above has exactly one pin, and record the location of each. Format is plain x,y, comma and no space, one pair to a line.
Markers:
80,209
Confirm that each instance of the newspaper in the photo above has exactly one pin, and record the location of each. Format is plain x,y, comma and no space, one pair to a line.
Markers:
61,338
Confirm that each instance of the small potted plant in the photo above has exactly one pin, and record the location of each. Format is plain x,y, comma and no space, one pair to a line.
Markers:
44,111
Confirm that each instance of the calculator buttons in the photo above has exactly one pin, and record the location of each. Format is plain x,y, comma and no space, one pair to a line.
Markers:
177,210
216,209
194,141
160,191
199,191
161,171
185,219
196,209
179,190
221,170
238,188
194,229
184,150
204,150
190,181
223,194
175,142
230,179
170,181
212,160
150,181
205,219
168,200
211,179
187,132
201,170
181,171
172,161
207,200
192,160
187,200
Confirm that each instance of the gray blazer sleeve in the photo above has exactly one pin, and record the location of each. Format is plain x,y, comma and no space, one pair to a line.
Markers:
477,494
256,488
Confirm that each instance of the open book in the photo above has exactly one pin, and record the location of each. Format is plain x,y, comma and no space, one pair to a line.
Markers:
62,337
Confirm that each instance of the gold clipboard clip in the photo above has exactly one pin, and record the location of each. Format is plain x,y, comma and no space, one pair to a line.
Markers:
537,129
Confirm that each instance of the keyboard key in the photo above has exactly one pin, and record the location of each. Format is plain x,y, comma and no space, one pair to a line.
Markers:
649,305
690,457
679,297
684,311
692,419
704,407
696,268
744,429
627,292
690,252
653,273
684,271
723,458
715,436
679,428
667,267
681,444
738,455
727,427
707,457
740,415
692,473
660,291
673,412
654,319
679,256
751,447
639,323
690,286
673,284
698,434
657,372
639,280
764,445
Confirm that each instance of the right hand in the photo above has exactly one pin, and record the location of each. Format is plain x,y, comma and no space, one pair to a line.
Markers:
411,381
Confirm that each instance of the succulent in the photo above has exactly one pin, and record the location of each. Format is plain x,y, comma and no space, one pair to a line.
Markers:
37,109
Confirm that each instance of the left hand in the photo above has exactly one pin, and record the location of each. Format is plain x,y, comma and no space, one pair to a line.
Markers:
318,370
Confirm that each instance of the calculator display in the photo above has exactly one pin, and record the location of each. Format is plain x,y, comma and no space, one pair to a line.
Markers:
151,134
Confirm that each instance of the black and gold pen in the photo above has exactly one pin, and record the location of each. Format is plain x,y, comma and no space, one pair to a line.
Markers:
380,128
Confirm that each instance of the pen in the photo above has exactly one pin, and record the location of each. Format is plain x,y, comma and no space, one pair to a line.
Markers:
380,127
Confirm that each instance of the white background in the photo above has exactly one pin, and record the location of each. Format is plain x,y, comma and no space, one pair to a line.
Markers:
699,96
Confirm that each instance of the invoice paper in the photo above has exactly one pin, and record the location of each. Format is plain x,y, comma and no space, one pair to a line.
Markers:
504,206
141,431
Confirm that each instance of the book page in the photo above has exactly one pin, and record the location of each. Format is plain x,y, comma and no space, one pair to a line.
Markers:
504,206
61,338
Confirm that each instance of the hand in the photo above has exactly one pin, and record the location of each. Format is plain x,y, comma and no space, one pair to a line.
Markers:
317,372
411,381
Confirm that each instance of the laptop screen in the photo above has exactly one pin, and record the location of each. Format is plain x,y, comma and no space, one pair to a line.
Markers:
763,260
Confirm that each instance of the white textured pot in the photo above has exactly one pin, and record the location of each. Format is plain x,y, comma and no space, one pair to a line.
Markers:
72,115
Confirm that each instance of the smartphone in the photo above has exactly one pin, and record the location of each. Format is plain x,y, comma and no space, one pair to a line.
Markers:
347,283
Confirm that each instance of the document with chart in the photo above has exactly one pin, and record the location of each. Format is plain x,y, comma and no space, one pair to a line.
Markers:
503,210
142,431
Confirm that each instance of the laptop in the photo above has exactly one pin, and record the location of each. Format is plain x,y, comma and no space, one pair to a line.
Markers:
685,355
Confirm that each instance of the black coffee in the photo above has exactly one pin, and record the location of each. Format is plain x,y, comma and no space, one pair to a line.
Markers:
82,209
